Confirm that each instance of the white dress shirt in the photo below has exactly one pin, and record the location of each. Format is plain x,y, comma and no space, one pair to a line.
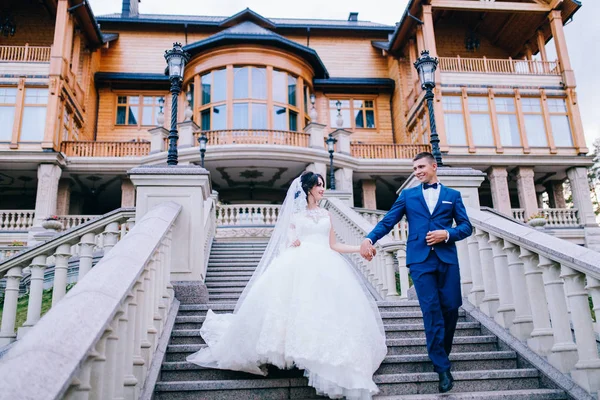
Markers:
431,196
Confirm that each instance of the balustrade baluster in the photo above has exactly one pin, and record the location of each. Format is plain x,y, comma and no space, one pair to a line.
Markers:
477,291
36,289
506,308
61,256
140,367
86,251
97,377
490,302
111,236
9,309
593,287
403,273
130,382
119,389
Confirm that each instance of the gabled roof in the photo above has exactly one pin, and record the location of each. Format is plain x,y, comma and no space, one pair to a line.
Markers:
250,33
247,15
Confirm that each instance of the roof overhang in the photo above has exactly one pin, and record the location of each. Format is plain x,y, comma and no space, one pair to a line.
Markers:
130,80
355,85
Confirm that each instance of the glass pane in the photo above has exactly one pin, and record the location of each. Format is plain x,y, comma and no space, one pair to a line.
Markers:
279,87
220,85
240,83
205,120
509,130
482,130
455,128
306,99
280,118
259,116
536,132
147,116
206,85
291,90
148,100
452,103
557,105
8,95
121,112
240,116
369,103
7,117
133,116
36,96
219,118
370,118
134,100
561,131
34,120
293,121
259,83
531,105
505,104
346,123
122,100
358,118
345,104
478,104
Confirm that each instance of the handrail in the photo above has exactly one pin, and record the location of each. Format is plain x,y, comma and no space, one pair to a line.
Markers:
100,340
499,66
90,148
256,136
374,151
25,53
400,230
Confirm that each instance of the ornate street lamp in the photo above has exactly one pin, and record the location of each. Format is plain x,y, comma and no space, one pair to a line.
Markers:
339,120
202,140
313,110
176,59
426,66
331,141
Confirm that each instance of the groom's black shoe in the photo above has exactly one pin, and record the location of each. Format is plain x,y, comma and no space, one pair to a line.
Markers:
446,381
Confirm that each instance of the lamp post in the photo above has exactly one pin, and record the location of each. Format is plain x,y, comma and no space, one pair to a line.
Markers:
331,141
339,120
313,110
176,59
426,66
202,140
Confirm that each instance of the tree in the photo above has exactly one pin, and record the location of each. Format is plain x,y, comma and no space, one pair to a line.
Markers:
594,178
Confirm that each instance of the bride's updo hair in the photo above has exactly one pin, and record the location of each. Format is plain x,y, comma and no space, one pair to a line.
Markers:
309,180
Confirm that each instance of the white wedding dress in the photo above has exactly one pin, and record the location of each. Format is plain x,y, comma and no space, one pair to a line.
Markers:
309,310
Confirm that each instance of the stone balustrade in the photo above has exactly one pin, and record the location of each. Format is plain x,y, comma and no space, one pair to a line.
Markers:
16,220
99,341
9,251
400,231
537,286
210,227
70,221
556,217
351,228
247,214
82,241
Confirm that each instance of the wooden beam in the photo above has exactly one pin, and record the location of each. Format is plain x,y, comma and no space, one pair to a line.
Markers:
490,6
555,3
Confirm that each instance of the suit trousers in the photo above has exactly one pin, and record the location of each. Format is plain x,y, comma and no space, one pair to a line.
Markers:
438,288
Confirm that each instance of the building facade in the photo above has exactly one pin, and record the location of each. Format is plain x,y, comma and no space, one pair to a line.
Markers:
85,98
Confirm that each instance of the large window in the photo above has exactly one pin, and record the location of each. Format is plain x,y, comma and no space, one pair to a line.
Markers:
213,109
534,122
34,114
454,121
137,110
70,127
250,98
356,113
481,125
559,119
8,98
508,124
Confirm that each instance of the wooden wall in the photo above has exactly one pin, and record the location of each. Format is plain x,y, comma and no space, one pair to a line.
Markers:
34,23
450,42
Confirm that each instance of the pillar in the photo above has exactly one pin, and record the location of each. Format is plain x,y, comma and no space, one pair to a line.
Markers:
63,200
317,135
582,200
369,197
526,190
157,140
318,168
556,194
343,182
499,187
127,193
186,132
343,141
47,192
556,25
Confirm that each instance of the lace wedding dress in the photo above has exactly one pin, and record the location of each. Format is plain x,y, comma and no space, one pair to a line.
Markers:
309,310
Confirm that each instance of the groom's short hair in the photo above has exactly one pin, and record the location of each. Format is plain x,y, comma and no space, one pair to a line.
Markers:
426,155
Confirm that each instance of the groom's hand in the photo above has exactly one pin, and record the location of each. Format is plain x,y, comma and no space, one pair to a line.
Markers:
435,237
367,250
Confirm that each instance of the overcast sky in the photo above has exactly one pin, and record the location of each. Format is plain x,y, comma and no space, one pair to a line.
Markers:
583,33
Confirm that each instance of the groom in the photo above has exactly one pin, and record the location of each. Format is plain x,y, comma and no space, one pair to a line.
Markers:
431,209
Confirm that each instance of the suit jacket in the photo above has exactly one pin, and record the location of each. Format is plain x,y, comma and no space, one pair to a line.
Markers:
411,203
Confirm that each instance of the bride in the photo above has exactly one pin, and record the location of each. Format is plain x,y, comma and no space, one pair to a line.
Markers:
304,306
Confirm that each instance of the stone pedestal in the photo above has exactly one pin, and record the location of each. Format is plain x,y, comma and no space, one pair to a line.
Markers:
344,196
186,131
369,196
188,186
582,201
157,141
526,190
343,182
127,193
343,141
63,198
556,194
317,135
46,198
318,168
499,188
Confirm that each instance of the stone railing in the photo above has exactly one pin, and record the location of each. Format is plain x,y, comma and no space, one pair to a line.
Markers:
556,217
100,340
400,231
70,221
351,228
498,66
25,53
210,227
247,214
367,150
82,241
16,220
104,149
9,251
256,136
538,287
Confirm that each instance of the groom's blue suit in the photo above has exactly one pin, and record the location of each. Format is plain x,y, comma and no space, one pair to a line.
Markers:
433,269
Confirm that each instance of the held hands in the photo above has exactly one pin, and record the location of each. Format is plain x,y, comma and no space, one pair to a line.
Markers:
367,250
435,237
295,243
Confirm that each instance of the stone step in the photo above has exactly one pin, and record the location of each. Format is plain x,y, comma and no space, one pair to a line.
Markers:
529,394
229,289
390,385
232,274
229,263
226,284
227,298
393,318
227,278
209,271
192,336
462,344
219,255
406,364
241,243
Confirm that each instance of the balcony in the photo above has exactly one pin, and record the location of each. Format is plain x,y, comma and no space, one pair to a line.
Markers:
255,136
376,151
105,149
25,60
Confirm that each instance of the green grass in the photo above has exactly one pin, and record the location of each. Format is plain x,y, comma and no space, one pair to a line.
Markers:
24,301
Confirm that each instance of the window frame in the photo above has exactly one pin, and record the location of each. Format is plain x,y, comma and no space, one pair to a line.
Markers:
140,105
564,113
541,114
351,99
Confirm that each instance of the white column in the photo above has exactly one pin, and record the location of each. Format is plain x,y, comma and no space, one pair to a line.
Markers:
580,190
157,139
9,313
542,338
86,244
318,168
186,131
526,189
63,198
587,368
477,290
506,308
563,355
491,301
499,187
343,141
369,197
62,255
317,135
127,193
47,192
522,324
36,289
343,182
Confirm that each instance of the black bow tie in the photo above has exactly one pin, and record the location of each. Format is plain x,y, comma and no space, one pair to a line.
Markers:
432,186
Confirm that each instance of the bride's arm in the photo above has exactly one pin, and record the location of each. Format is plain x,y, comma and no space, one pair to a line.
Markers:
341,247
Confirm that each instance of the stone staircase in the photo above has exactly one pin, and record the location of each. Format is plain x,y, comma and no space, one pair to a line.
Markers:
483,366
